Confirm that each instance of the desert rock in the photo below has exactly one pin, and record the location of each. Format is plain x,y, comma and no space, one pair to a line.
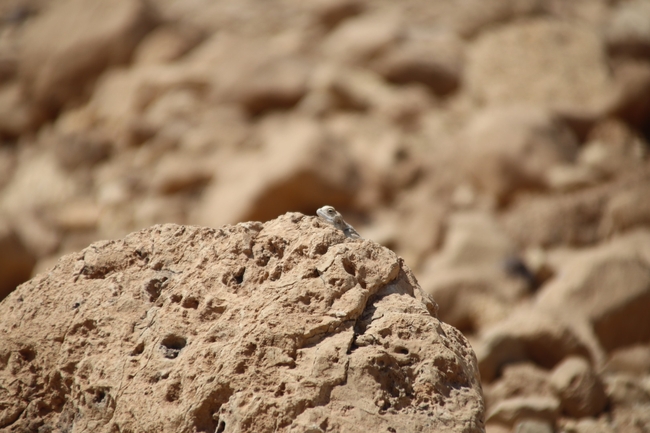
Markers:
282,326
580,390
505,61
57,66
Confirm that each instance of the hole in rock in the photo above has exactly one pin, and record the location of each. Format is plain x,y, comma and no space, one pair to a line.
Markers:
349,266
190,302
206,416
142,255
154,287
100,394
239,276
28,354
173,392
138,349
321,249
402,350
172,345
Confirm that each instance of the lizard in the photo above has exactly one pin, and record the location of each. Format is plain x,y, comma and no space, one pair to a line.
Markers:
333,217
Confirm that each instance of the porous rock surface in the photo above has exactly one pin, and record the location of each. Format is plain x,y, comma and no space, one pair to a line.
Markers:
285,326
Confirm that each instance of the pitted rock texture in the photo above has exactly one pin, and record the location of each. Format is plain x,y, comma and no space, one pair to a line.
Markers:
286,326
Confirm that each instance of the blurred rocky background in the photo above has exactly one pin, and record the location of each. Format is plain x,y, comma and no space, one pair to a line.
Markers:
499,146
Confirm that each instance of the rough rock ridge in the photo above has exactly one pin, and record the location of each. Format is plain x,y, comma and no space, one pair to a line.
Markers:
285,326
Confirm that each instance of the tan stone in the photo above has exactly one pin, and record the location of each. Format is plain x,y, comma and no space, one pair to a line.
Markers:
275,84
632,419
633,82
166,44
123,95
57,67
298,166
469,276
610,286
581,392
359,39
578,218
434,60
7,165
16,261
627,391
534,426
516,409
495,427
545,62
355,89
529,334
612,148
15,116
626,210
587,425
628,30
37,182
283,326
474,16
331,12
522,379
632,360
260,74
506,150
77,216
178,172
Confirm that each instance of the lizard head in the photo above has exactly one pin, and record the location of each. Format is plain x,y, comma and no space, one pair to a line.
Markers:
328,213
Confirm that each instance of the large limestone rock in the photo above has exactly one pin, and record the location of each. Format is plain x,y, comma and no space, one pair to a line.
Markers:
509,149
469,277
543,62
610,286
70,44
286,326
297,165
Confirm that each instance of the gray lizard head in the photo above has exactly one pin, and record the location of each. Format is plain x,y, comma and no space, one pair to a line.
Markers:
327,212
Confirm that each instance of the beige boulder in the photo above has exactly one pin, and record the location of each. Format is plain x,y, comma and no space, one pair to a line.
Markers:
298,166
612,148
474,16
579,388
587,425
166,44
550,63
610,286
629,396
435,60
628,30
359,39
15,115
582,217
330,13
508,149
517,409
631,359
633,103
522,379
532,425
283,326
58,67
469,277
530,335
